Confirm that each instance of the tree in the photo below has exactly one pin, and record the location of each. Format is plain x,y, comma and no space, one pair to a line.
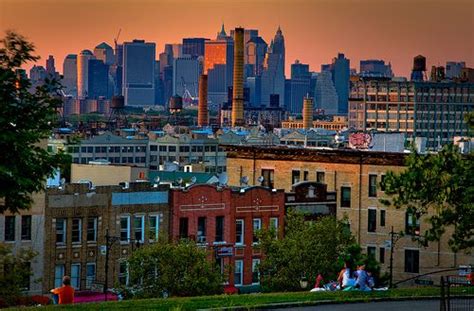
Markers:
26,121
179,269
308,249
15,273
441,185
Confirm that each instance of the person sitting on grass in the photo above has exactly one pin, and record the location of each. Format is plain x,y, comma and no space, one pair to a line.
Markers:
362,281
344,279
65,292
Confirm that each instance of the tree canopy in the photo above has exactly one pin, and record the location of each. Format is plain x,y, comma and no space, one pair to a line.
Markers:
26,121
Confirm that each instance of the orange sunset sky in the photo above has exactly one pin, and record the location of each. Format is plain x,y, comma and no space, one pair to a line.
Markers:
315,30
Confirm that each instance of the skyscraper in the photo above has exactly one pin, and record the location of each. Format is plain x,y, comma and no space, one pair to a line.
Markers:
375,68
299,86
453,69
69,81
186,76
83,73
273,75
255,51
218,65
98,80
340,68
105,53
50,68
194,46
325,95
139,73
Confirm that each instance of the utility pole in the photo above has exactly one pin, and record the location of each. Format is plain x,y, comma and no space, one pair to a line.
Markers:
394,237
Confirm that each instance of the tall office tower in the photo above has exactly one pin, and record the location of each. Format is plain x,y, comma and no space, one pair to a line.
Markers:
70,75
299,86
98,81
375,68
307,113
453,69
203,113
194,46
254,84
273,75
339,69
119,54
177,50
167,80
83,73
37,76
166,58
238,85
50,68
218,65
255,51
325,95
222,34
105,53
186,76
158,85
139,73
249,34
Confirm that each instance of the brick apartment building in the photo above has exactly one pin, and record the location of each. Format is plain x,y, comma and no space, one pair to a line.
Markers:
77,219
224,221
354,177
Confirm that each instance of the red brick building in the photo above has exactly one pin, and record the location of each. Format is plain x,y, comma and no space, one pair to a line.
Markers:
224,221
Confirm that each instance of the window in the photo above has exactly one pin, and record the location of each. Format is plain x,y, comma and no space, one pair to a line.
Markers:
219,229
183,227
58,275
92,229
382,255
255,271
412,261
239,231
9,228
26,227
372,185
238,272
139,228
371,250
76,275
124,228
154,227
172,148
257,226
61,230
90,274
201,230
268,178
320,177
153,147
382,185
382,218
345,196
273,225
76,230
123,273
372,220
412,223
305,175
295,177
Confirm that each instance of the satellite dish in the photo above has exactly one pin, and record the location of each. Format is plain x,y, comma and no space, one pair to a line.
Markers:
157,179
223,179
244,180
193,180
63,181
179,181
261,179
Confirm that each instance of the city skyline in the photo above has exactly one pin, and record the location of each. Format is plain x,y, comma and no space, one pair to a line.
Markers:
315,31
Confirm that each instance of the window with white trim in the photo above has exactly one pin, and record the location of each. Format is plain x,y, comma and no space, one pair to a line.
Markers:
239,231
58,275
60,230
238,272
124,228
76,275
76,230
90,274
274,225
92,229
139,228
123,273
154,227
257,226
255,271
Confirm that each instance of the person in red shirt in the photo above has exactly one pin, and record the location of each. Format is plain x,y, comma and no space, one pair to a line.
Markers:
65,292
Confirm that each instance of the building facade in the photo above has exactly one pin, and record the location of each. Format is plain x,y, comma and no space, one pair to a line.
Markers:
336,124
69,80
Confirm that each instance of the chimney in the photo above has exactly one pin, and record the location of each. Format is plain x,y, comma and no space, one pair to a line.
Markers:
203,113
307,113
238,87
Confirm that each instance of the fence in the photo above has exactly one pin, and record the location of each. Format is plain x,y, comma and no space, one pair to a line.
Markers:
457,293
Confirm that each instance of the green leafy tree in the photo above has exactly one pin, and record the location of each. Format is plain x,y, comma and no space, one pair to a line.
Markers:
179,269
26,121
440,186
15,272
307,249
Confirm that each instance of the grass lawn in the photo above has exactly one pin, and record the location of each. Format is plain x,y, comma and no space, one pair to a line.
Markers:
251,301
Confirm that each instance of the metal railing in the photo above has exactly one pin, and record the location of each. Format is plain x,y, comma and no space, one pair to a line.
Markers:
457,293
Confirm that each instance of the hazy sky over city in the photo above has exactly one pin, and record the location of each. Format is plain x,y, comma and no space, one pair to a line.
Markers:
315,30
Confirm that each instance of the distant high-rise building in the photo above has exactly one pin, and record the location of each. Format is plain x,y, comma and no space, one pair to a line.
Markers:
186,76
255,50
339,69
69,81
139,73
249,34
299,86
273,75
194,46
98,80
167,83
453,69
37,75
166,58
83,73
221,35
375,68
105,53
254,84
218,65
325,95
177,50
50,68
